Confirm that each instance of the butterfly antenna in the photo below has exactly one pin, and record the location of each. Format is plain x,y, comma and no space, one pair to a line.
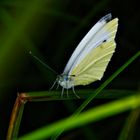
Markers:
41,62
75,93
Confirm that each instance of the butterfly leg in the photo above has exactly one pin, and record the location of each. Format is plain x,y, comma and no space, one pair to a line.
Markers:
57,86
75,93
67,94
62,93
53,85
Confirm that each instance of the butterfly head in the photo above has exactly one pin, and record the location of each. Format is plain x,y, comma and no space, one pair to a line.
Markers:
66,81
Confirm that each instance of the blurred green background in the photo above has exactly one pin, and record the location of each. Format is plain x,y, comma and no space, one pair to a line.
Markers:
51,29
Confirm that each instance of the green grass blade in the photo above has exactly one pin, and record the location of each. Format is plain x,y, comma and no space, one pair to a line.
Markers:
18,121
10,38
89,116
15,119
84,94
43,132
129,126
113,76
48,96
24,19
28,44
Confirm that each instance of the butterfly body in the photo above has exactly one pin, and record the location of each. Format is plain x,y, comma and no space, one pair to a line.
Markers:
66,81
92,55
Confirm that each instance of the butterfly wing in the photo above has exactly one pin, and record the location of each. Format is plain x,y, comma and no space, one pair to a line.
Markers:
92,62
82,45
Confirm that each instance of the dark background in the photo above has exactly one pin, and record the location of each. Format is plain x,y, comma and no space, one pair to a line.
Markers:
54,33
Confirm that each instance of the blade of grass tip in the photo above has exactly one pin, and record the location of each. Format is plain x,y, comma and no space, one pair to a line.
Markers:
114,75
92,115
15,118
128,129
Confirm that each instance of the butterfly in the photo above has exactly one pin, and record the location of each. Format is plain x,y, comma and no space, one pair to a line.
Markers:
89,60
92,55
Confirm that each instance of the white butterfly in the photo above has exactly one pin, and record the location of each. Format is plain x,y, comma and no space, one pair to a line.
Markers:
91,57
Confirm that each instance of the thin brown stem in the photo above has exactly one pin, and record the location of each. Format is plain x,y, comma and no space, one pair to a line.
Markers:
20,101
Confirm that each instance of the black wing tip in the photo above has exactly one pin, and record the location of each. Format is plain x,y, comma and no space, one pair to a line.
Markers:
106,18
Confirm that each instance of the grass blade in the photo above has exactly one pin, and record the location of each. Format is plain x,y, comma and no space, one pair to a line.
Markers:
15,119
129,127
91,115
113,76
116,107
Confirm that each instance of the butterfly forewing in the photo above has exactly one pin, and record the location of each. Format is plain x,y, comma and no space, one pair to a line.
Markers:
83,44
91,64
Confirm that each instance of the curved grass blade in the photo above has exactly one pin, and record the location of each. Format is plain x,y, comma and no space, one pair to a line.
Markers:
46,96
15,119
92,115
129,126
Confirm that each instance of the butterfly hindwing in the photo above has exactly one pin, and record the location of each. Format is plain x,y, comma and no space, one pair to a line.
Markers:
93,65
